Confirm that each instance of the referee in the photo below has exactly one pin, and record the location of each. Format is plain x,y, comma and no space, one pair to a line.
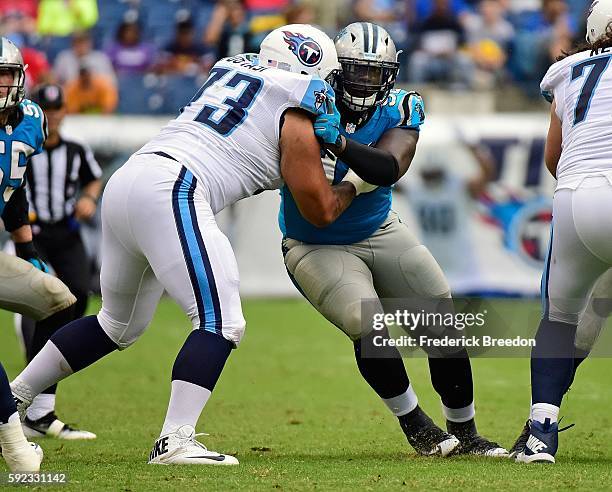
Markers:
63,186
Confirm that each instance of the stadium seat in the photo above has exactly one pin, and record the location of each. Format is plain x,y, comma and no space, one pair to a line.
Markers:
140,95
178,91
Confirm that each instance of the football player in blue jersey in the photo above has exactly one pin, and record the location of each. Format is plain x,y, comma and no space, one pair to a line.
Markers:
367,253
25,287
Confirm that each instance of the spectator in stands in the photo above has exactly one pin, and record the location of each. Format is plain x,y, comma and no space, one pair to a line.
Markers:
423,9
185,54
39,70
129,53
539,41
16,24
228,29
62,18
438,58
265,15
90,92
68,62
27,8
300,13
489,36
390,14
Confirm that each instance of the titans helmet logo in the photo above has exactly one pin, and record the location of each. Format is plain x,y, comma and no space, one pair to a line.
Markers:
306,49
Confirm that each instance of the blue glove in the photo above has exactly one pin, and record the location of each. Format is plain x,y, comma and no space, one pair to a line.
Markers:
327,125
27,252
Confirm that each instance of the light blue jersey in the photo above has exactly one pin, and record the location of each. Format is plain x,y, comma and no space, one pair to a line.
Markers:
369,210
17,144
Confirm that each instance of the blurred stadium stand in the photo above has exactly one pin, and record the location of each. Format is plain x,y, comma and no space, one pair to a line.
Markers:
541,29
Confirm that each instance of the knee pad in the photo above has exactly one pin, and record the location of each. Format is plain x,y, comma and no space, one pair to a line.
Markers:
423,274
323,279
29,291
56,293
123,334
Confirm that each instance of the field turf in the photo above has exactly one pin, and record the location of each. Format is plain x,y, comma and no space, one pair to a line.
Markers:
292,407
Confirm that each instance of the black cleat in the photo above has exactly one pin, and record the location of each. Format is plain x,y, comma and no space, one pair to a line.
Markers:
473,443
425,436
521,441
51,426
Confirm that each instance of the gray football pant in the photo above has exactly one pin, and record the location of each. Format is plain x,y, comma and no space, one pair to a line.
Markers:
26,290
391,263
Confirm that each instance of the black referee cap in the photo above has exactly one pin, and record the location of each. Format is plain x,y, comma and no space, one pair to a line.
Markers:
49,96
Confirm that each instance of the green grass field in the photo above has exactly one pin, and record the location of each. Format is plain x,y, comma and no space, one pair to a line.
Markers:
293,408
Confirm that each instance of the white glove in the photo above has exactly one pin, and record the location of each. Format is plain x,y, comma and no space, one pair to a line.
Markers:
360,185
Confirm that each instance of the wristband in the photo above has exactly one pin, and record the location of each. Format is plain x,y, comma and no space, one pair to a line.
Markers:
25,250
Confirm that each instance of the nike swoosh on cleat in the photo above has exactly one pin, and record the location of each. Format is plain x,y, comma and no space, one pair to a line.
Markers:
215,458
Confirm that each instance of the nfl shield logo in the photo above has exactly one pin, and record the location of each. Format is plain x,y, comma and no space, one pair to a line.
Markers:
350,128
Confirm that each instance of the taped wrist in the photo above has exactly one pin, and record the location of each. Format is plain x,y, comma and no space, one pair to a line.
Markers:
375,166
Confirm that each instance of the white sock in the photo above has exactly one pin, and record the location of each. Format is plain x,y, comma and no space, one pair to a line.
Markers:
13,418
402,404
187,401
459,414
11,433
42,405
543,411
47,368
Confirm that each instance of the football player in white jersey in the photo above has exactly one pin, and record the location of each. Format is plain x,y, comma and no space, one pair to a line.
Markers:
579,155
249,128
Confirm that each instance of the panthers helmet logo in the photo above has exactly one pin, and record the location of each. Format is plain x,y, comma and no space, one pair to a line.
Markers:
306,49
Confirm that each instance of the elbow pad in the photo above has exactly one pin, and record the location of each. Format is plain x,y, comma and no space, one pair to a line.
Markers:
375,166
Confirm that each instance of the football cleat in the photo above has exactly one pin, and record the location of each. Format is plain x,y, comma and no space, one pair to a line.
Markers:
542,443
425,436
519,444
19,454
23,397
473,443
182,448
51,426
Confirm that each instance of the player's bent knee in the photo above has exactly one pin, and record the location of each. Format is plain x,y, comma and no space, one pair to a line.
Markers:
58,295
423,274
122,334
351,322
234,331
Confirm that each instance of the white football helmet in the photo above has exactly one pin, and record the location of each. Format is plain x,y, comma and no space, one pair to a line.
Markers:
369,65
11,59
300,48
598,20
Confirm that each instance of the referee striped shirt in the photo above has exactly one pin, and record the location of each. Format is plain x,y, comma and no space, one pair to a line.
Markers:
55,176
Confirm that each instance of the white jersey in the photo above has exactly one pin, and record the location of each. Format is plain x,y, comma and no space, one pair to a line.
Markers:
581,86
228,135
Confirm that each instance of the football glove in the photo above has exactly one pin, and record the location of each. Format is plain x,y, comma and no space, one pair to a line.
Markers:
360,185
27,252
327,125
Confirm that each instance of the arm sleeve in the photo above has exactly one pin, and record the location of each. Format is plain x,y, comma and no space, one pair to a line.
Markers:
376,166
16,210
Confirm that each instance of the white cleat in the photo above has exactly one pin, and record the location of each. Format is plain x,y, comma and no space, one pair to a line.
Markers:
181,448
51,426
19,454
